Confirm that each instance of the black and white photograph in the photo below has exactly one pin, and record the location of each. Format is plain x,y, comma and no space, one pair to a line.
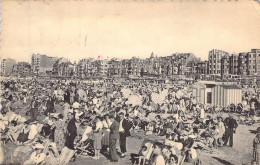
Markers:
130,82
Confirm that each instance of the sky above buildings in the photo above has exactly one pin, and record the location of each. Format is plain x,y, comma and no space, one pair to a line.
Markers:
123,29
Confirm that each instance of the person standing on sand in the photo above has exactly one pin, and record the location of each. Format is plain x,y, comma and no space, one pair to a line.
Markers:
34,108
71,131
59,127
256,148
97,136
50,106
113,137
231,125
124,127
105,139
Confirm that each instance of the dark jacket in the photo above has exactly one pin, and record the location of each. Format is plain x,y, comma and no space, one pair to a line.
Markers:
114,131
67,97
230,123
71,134
72,129
126,126
50,104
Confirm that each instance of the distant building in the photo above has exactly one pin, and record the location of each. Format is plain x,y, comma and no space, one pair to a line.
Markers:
225,65
191,68
215,61
15,70
102,67
7,66
81,68
183,60
126,68
22,69
203,67
233,64
144,68
155,65
253,62
56,67
242,63
114,68
42,64
67,70
87,68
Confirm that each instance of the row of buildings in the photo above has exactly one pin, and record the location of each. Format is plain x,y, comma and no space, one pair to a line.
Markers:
244,66
11,67
224,64
176,64
220,64
40,64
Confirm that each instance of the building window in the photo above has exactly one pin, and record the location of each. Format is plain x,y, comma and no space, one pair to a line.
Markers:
209,99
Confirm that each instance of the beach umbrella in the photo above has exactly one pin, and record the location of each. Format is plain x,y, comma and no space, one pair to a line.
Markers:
250,90
164,92
126,92
179,94
134,100
158,98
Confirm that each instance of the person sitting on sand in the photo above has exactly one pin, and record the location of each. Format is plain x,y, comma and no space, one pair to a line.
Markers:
149,128
173,160
37,156
24,134
13,131
210,133
158,124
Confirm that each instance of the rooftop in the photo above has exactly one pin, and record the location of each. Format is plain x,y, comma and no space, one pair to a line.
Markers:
230,86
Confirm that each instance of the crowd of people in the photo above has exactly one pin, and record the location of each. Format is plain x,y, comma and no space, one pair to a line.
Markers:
58,117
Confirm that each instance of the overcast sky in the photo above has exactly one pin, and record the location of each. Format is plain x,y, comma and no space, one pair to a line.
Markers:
81,29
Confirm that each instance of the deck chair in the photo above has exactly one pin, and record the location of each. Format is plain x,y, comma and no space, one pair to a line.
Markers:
85,148
178,146
146,156
6,158
66,155
194,160
56,158
181,160
205,148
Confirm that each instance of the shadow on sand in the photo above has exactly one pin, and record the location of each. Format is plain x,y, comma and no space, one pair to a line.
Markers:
222,161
